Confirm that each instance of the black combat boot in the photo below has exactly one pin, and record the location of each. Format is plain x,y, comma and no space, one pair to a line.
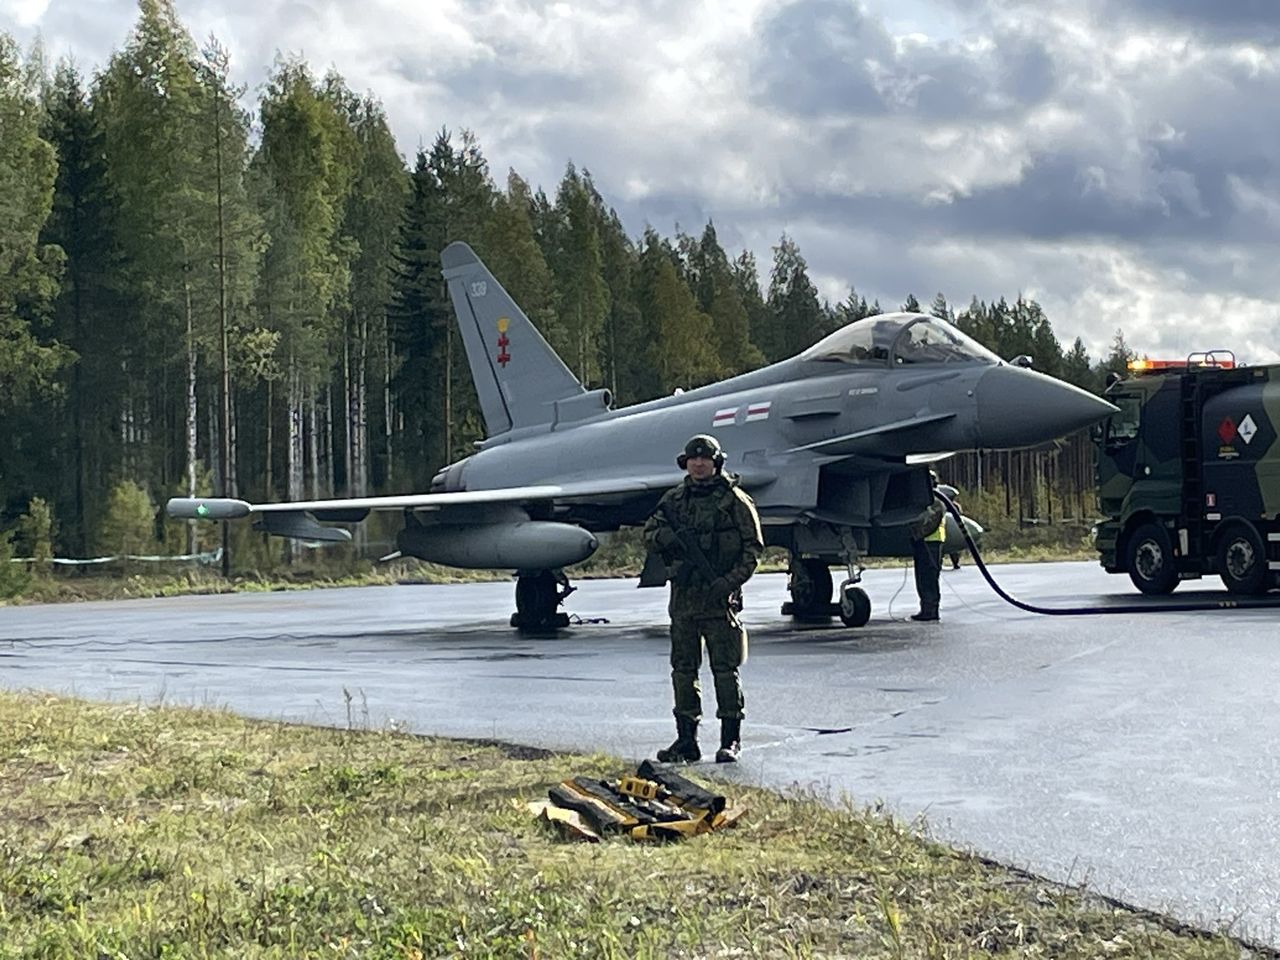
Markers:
927,613
730,730
685,748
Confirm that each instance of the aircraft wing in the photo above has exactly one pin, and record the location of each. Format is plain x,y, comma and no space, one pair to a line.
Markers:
355,509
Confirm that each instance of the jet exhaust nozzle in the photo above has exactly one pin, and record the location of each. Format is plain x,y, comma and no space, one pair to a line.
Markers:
520,545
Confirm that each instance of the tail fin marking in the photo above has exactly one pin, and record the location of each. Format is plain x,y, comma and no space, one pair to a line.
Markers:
518,377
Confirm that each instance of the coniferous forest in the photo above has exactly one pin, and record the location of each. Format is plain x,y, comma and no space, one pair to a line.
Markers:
198,295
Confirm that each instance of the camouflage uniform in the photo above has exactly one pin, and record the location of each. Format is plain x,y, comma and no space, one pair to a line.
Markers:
724,521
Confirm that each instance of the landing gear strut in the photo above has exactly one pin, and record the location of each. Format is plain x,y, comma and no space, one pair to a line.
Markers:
855,605
810,587
538,594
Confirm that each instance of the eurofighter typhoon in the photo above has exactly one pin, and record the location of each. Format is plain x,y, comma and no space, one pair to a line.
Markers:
831,444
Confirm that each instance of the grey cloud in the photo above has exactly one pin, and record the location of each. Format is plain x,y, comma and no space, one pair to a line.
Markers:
811,59
1239,20
820,58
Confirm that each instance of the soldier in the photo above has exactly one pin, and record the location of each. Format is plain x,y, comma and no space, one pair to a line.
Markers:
708,534
927,534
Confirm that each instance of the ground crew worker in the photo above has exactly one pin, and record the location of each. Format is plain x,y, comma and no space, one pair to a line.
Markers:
927,535
708,533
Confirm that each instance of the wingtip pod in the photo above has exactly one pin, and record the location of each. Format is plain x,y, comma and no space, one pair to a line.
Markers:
207,508
456,255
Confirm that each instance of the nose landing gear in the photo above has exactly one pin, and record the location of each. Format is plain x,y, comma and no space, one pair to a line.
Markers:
811,588
855,605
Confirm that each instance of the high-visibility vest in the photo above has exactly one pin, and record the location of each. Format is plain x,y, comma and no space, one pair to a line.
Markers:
939,535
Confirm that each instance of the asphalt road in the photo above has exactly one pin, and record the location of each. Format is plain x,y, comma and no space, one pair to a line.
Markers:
1137,753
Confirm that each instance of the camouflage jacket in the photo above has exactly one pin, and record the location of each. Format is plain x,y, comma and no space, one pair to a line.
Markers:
722,520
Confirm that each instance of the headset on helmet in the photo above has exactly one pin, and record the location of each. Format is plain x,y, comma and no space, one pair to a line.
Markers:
703,445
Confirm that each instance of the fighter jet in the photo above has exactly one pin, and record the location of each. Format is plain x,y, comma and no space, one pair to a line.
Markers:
832,444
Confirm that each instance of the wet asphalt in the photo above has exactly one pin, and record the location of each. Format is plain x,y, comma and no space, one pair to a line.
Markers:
1138,754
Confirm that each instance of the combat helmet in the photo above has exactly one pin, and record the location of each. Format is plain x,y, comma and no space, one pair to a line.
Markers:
702,445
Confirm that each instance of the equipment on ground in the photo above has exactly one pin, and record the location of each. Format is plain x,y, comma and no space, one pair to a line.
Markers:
652,804
1189,474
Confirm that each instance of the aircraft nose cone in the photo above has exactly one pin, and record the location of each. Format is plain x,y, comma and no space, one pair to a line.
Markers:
1020,408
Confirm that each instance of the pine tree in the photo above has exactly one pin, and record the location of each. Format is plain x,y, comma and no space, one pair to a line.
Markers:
84,454
304,168
746,278
468,194
29,269
797,316
940,309
236,233
619,348
911,304
514,257
1118,360
577,264
851,309
1077,369
420,321
147,100
371,225
718,295
680,354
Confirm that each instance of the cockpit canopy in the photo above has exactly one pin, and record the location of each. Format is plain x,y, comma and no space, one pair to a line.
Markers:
899,338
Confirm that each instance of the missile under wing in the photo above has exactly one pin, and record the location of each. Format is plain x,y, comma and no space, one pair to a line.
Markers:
830,443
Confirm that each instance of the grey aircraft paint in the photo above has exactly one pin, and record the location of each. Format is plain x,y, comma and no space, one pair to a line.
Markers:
830,444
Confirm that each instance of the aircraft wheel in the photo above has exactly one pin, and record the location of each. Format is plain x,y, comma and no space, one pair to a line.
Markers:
1150,560
1242,559
811,587
536,601
855,605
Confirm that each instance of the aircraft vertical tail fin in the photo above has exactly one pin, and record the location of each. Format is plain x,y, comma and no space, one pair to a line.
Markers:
518,377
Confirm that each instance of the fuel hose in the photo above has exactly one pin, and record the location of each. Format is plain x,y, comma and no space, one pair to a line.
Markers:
1163,606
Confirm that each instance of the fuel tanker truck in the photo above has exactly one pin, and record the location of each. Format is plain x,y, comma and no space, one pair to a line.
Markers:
1188,474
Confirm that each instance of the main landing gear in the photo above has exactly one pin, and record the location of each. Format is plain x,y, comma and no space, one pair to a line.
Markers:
538,594
811,591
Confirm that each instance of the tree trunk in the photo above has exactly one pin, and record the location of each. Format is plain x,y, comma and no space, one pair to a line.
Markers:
448,398
296,451
227,483
349,415
388,410
360,431
191,414
270,485
330,467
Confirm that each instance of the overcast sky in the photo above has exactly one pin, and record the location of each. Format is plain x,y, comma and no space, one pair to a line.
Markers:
1110,158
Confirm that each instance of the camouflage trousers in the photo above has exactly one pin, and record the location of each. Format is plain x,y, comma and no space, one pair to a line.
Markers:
726,647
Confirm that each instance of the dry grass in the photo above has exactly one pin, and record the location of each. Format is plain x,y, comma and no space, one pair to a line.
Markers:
154,833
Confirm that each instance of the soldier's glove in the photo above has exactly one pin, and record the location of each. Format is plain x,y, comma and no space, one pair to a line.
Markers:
720,589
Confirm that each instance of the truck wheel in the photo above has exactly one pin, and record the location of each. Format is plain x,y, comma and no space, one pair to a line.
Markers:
1242,559
1150,560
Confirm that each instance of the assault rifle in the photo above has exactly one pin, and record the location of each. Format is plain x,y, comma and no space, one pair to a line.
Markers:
656,572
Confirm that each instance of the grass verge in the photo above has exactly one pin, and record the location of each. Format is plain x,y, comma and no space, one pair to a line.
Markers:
165,833
46,588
